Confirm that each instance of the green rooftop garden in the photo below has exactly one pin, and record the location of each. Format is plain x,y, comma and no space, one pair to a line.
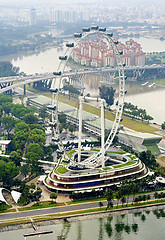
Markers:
125,164
62,170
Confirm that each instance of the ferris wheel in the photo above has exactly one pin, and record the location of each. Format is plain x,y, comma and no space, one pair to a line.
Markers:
95,159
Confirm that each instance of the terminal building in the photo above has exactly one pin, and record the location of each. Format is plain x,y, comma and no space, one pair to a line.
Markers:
68,178
121,167
136,140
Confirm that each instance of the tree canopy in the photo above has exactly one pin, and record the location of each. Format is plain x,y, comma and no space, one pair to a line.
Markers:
7,69
107,93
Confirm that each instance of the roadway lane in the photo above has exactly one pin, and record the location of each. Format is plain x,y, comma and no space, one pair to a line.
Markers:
63,209
50,210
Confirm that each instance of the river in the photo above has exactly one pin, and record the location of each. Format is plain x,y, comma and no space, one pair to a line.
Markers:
151,100
138,226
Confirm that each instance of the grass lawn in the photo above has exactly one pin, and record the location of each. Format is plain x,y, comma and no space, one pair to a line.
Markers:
44,204
62,170
161,161
124,165
5,208
127,122
160,81
71,152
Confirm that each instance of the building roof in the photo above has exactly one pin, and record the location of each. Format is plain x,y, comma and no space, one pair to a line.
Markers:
2,199
4,142
74,112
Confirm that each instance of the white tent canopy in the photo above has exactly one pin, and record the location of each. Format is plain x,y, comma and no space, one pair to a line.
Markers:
15,195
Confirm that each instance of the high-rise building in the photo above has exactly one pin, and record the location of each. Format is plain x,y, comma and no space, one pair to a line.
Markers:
33,17
96,53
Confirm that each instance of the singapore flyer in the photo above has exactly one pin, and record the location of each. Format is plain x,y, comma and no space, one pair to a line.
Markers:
85,164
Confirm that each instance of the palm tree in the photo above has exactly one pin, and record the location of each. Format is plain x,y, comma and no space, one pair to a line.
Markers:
123,200
118,197
109,197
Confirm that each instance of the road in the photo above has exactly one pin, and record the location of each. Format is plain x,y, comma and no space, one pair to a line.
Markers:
63,209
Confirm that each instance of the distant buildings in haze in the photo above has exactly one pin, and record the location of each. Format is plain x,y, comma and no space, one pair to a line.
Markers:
96,53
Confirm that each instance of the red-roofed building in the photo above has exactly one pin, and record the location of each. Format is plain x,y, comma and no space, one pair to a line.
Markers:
96,53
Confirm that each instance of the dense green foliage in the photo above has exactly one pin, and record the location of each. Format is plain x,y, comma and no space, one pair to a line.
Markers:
23,38
148,158
71,89
163,125
107,93
155,58
7,69
8,170
26,138
135,112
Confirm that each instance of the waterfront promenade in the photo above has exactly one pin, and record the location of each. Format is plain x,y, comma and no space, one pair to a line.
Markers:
63,210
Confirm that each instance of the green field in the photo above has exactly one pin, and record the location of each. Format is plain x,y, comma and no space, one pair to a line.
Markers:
125,164
127,122
160,81
62,170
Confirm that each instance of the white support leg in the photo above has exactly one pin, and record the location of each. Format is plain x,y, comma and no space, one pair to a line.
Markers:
80,129
102,132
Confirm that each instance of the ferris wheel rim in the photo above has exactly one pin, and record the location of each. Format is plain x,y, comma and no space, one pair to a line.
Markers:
121,94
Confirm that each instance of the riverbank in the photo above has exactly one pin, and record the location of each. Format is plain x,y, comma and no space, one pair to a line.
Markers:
52,219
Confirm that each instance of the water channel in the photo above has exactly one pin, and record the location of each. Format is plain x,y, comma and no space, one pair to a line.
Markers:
138,226
151,99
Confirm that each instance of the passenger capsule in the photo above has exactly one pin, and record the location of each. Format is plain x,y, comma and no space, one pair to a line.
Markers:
57,73
54,90
102,29
94,28
69,45
63,57
110,34
86,29
78,35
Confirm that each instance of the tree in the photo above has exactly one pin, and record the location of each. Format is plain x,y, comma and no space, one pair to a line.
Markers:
7,69
32,160
30,118
36,148
118,197
25,169
109,197
100,204
37,136
62,118
53,195
4,99
8,170
8,123
20,138
6,107
71,89
71,128
19,110
163,125
43,113
123,200
107,93
15,156
134,189
148,158
21,126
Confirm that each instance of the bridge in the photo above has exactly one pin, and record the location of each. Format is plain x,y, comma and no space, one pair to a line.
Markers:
74,76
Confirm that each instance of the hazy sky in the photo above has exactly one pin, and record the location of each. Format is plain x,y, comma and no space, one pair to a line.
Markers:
101,2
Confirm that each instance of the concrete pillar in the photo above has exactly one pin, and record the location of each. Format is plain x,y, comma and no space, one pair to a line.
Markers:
102,132
24,89
80,128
